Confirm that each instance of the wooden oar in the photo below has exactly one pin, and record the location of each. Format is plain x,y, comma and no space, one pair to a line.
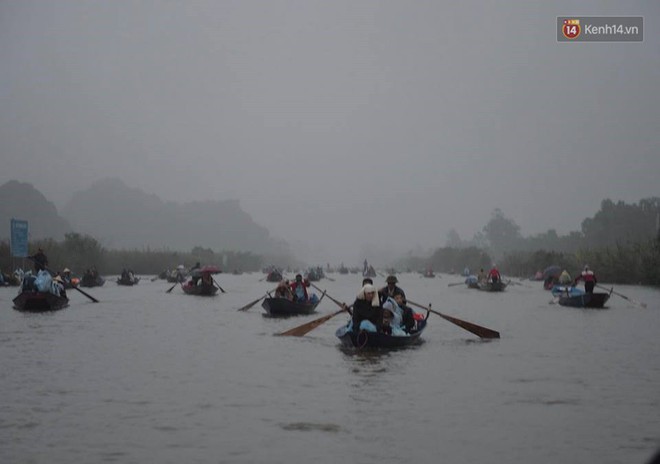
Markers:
478,330
218,285
455,284
87,295
309,326
172,287
338,303
249,305
643,305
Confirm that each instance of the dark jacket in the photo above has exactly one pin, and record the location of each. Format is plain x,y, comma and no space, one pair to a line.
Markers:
362,310
40,261
384,293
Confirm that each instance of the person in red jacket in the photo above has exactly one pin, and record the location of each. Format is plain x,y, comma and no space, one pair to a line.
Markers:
494,275
589,278
299,289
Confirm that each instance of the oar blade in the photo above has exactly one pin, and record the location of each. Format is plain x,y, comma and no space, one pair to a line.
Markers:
478,330
169,290
249,305
309,326
482,332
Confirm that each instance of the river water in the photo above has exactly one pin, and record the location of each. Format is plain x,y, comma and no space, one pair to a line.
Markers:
146,376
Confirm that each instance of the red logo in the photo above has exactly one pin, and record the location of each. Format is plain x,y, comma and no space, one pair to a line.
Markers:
571,28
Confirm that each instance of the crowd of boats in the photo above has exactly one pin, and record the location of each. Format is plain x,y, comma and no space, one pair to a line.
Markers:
378,317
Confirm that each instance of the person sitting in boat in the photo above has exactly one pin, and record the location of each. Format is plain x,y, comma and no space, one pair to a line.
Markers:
206,280
40,261
283,290
589,278
299,289
565,278
66,276
58,286
494,275
367,312
393,316
390,289
481,277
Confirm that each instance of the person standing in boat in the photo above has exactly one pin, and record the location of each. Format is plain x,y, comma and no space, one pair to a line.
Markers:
494,275
589,278
299,289
481,277
40,261
390,289
367,312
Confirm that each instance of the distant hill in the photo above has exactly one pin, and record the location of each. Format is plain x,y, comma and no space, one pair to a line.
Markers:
21,200
123,217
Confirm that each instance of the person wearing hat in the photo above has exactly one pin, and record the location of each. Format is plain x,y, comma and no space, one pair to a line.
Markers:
589,278
390,290
367,313
59,286
299,289
66,277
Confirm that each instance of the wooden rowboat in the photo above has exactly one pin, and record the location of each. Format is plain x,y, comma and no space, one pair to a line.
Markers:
201,290
364,339
283,307
588,300
39,301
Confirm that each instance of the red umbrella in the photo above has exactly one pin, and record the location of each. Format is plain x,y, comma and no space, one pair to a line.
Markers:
210,269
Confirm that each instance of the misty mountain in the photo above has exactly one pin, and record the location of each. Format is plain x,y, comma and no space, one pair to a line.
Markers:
123,217
21,200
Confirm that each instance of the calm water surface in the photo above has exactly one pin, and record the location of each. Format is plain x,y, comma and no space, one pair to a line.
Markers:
146,376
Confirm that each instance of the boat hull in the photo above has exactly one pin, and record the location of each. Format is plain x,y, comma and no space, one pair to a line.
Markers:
376,340
92,282
39,302
492,286
588,300
200,290
282,307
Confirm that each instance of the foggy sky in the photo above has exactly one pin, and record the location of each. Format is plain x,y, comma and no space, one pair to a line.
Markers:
336,123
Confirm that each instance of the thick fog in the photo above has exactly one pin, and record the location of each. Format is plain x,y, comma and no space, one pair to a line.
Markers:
338,125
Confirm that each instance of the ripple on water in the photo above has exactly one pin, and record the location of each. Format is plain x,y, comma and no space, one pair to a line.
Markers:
311,427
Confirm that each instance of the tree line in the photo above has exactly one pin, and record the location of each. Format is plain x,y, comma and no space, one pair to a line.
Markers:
621,242
80,252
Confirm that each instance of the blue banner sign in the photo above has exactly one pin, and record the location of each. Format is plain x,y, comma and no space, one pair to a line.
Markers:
19,238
